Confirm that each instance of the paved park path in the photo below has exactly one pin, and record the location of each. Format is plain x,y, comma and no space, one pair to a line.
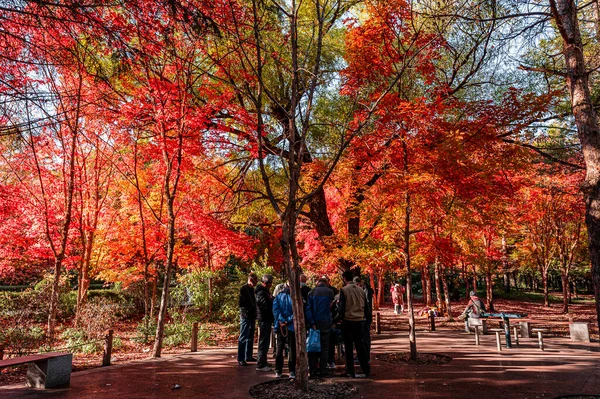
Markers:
564,368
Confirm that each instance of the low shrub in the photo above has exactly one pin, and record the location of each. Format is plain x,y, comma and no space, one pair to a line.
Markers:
145,331
77,340
23,339
179,330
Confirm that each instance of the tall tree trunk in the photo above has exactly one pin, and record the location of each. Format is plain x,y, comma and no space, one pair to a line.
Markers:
438,287
424,284
565,290
446,293
83,283
381,292
465,278
412,337
545,284
505,265
164,299
474,278
292,266
586,120
64,235
376,299
171,183
154,292
427,294
489,291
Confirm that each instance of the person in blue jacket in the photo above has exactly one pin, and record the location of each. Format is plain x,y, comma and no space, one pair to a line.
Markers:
284,328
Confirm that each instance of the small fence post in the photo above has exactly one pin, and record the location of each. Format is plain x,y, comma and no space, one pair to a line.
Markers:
108,343
377,323
195,337
432,321
1,352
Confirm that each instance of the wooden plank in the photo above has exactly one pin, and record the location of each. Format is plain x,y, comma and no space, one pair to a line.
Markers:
30,359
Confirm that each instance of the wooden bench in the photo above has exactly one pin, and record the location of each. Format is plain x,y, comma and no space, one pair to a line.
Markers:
45,370
578,331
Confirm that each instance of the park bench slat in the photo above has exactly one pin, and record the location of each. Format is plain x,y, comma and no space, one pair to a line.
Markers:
29,359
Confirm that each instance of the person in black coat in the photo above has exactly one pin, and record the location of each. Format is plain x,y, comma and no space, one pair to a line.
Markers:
264,315
247,302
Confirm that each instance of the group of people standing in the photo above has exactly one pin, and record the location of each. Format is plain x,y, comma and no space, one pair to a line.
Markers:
351,308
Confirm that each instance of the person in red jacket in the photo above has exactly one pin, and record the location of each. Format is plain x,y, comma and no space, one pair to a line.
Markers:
398,299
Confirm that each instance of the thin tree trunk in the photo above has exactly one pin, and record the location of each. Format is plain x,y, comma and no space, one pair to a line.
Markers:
565,290
412,337
446,294
438,287
291,259
210,296
465,279
154,292
424,284
489,291
428,295
376,301
505,265
381,284
164,300
545,284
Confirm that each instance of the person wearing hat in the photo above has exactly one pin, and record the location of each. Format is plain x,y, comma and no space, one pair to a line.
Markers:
474,310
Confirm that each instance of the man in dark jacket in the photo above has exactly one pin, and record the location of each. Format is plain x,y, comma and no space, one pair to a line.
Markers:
368,313
247,302
264,310
352,312
304,288
319,302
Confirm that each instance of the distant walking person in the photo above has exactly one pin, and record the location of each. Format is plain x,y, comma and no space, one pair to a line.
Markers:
247,302
398,299
352,313
264,308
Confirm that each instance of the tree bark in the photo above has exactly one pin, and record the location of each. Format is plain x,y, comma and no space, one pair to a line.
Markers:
489,291
164,300
438,287
505,265
426,283
565,290
465,279
381,292
446,293
412,336
586,120
545,284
